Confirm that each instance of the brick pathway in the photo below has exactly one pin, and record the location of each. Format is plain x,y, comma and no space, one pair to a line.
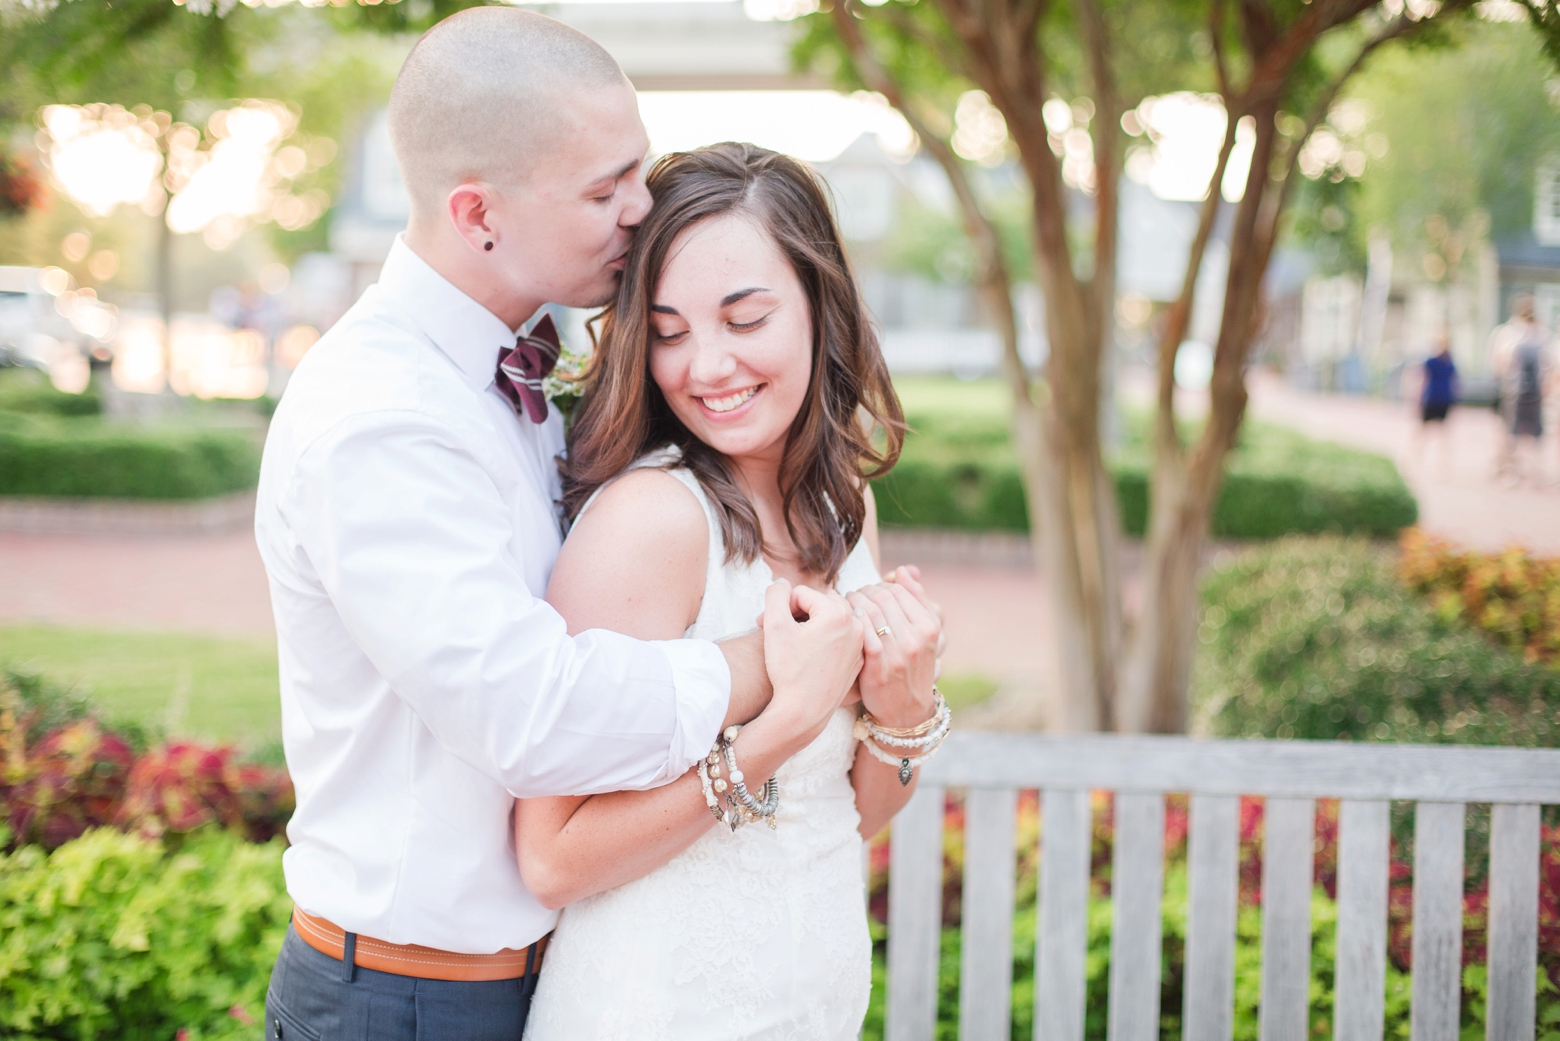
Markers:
198,583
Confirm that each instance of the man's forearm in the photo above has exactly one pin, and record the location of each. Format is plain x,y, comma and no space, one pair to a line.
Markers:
750,687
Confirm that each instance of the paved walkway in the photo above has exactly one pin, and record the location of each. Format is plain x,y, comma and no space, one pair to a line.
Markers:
1459,497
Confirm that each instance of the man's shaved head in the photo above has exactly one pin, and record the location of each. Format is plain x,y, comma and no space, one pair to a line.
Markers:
483,93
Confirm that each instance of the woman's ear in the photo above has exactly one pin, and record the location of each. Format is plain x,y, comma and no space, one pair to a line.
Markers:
468,207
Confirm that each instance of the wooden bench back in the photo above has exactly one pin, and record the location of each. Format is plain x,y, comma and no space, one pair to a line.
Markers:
1440,780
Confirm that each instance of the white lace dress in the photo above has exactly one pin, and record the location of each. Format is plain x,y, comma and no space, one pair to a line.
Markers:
756,934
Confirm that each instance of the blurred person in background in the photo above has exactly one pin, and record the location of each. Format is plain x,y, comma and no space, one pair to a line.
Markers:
1524,363
1437,395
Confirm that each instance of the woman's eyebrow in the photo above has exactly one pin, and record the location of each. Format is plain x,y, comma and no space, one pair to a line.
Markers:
664,309
741,294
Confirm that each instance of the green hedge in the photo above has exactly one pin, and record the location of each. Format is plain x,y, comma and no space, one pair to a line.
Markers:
116,936
90,458
1319,638
28,390
961,472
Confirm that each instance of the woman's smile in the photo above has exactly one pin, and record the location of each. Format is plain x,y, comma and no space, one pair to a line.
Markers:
728,406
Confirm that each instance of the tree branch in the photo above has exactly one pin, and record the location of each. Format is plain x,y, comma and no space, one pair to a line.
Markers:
1399,27
1180,314
1216,38
1272,73
991,272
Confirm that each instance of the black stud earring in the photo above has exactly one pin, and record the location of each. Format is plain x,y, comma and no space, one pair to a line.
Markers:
488,246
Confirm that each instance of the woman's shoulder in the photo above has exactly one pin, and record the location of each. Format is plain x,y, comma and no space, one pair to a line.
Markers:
650,500
643,544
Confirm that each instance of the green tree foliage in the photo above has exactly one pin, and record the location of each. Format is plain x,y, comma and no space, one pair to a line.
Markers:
1467,128
189,63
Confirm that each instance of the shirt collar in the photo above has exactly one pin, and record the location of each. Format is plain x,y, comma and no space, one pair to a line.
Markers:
463,329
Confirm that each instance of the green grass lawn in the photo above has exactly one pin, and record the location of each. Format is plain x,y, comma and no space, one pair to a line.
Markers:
194,686
966,689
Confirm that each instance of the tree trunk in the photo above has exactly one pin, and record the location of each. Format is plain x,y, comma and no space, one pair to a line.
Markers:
1183,489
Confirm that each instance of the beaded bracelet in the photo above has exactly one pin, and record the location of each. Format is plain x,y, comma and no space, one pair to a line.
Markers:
944,724
710,798
906,764
923,736
928,738
743,799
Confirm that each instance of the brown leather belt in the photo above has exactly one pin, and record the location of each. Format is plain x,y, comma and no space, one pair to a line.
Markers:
425,963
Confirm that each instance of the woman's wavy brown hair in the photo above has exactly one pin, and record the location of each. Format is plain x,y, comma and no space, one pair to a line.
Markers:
830,451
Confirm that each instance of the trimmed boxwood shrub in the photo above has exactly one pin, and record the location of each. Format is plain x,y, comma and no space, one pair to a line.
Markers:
1320,638
961,472
88,458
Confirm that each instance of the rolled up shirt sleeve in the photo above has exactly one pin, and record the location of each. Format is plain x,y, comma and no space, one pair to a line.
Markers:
414,543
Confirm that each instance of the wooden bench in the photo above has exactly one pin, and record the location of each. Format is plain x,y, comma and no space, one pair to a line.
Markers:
1441,780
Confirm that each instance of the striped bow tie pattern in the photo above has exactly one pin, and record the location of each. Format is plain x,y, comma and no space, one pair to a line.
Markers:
522,369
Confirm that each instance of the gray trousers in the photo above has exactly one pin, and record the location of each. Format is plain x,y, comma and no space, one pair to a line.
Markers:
314,997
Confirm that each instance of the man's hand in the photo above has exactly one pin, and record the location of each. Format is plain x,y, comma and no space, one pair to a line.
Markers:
812,649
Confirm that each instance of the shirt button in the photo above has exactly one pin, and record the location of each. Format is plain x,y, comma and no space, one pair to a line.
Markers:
276,1028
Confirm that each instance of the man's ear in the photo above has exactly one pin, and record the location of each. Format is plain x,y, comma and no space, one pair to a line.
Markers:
468,206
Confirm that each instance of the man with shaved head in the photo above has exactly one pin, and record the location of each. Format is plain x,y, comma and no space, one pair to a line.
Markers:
406,518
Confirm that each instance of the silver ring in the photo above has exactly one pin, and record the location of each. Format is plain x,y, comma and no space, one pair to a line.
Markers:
885,631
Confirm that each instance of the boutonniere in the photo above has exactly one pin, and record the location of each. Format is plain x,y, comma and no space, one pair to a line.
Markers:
565,385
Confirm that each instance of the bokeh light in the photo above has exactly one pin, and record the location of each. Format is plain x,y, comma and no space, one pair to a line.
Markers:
1185,132
101,155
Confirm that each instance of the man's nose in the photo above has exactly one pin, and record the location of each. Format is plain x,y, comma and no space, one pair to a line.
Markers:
637,205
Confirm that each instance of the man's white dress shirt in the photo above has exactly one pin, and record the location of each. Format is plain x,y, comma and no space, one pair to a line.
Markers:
407,521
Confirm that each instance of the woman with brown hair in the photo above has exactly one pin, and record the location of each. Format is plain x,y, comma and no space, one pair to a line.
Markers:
737,405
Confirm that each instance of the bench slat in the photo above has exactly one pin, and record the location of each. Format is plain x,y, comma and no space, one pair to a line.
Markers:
1062,937
914,917
1513,942
1137,888
1299,769
1359,986
1289,827
1214,869
1438,910
986,954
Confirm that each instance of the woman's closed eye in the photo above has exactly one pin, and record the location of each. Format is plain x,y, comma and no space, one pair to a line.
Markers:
743,327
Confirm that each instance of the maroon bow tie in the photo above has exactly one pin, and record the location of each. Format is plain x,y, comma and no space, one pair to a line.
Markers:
521,370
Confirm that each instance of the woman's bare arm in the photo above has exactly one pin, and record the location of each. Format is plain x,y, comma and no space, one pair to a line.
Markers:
896,679
635,563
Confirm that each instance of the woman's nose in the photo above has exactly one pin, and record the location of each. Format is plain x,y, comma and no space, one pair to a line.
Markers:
711,363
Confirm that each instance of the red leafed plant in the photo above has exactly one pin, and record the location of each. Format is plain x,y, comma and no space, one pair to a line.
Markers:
20,189
66,783
184,786
62,772
1512,596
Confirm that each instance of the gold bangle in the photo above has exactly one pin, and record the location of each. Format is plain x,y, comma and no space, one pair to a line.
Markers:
920,730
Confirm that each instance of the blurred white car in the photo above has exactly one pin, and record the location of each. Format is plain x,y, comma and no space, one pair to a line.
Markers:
30,327
45,324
